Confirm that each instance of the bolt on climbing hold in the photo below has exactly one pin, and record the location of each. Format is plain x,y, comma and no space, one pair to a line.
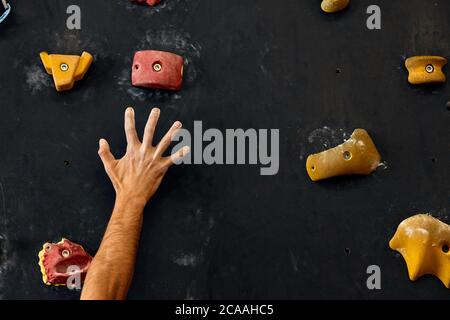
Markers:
358,155
6,12
56,258
148,2
66,69
157,67
424,241
332,6
157,70
429,68
426,69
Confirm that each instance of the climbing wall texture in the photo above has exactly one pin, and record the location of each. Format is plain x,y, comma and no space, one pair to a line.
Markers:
225,232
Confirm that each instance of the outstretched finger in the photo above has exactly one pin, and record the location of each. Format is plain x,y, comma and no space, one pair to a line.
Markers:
177,157
105,153
167,140
150,128
130,127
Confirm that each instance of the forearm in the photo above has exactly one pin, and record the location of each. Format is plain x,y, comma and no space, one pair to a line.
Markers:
135,177
112,269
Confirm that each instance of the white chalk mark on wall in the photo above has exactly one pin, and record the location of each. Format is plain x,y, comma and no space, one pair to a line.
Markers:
37,79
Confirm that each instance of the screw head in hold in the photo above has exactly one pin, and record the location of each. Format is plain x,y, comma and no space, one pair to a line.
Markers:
429,68
64,67
157,67
65,253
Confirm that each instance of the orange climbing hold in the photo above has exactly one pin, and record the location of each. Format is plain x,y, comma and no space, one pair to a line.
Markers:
358,155
66,69
424,241
332,6
426,69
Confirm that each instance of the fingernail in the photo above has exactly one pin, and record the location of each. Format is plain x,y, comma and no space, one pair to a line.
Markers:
101,142
178,124
130,109
156,110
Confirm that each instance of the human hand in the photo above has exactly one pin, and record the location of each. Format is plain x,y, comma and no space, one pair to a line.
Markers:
138,175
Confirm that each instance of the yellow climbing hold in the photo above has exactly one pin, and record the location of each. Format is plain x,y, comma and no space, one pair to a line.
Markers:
358,155
332,6
423,241
426,69
66,69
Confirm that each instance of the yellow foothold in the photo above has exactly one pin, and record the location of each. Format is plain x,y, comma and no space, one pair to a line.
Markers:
424,241
66,69
332,6
425,69
358,155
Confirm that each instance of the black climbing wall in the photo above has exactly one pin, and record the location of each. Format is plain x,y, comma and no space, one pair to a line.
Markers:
225,231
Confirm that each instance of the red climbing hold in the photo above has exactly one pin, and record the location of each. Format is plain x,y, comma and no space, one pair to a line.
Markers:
157,70
59,261
149,2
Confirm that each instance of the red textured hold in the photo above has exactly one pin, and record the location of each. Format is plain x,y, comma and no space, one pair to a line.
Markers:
157,70
55,261
149,2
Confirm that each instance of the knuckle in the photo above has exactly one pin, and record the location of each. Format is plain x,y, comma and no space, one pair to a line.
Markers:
132,154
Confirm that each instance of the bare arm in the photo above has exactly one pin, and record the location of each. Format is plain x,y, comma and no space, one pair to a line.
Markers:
136,177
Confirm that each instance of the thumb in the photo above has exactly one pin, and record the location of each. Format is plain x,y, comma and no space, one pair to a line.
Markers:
105,153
